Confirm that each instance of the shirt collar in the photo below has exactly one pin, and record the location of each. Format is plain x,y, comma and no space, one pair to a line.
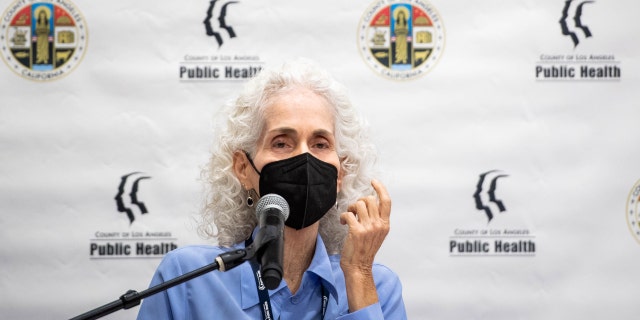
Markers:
320,266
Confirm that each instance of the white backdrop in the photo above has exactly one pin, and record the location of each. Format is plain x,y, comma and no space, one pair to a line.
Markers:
566,148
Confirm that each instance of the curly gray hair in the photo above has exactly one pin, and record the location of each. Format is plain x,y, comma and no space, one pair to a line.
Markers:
225,203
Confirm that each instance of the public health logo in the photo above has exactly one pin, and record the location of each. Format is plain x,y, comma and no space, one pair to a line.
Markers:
216,22
633,211
127,196
485,195
401,40
43,41
498,240
571,21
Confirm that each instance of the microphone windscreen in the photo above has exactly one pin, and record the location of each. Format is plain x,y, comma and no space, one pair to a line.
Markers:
272,200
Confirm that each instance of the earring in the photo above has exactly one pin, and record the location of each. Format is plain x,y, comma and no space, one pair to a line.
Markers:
249,199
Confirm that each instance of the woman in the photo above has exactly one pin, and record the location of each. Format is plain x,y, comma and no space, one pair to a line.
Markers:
290,126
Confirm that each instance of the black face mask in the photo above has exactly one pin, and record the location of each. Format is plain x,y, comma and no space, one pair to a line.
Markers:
309,185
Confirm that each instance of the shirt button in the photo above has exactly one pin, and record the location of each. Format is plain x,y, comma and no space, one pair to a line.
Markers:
294,300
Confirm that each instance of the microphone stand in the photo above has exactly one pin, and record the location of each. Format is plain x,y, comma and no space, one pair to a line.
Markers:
223,262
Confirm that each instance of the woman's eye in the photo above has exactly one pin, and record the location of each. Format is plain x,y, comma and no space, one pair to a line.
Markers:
322,144
280,143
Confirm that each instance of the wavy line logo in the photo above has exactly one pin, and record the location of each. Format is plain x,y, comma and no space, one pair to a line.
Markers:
129,185
578,26
221,16
485,195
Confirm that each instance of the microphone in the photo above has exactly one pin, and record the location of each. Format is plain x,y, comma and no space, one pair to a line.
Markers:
272,210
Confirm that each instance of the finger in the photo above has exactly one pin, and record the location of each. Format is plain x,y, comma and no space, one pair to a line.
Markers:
355,207
372,207
348,218
384,199
363,212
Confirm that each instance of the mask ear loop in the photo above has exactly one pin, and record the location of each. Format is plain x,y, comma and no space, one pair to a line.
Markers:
251,162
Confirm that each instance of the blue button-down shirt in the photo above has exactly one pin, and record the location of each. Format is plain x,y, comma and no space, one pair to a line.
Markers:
233,294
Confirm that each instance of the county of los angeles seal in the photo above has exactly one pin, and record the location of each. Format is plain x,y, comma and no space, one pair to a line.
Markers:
43,40
633,211
401,40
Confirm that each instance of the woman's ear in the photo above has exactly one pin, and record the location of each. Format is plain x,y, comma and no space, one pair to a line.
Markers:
340,173
240,167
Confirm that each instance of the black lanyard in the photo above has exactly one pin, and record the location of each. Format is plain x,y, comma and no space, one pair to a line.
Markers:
265,301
